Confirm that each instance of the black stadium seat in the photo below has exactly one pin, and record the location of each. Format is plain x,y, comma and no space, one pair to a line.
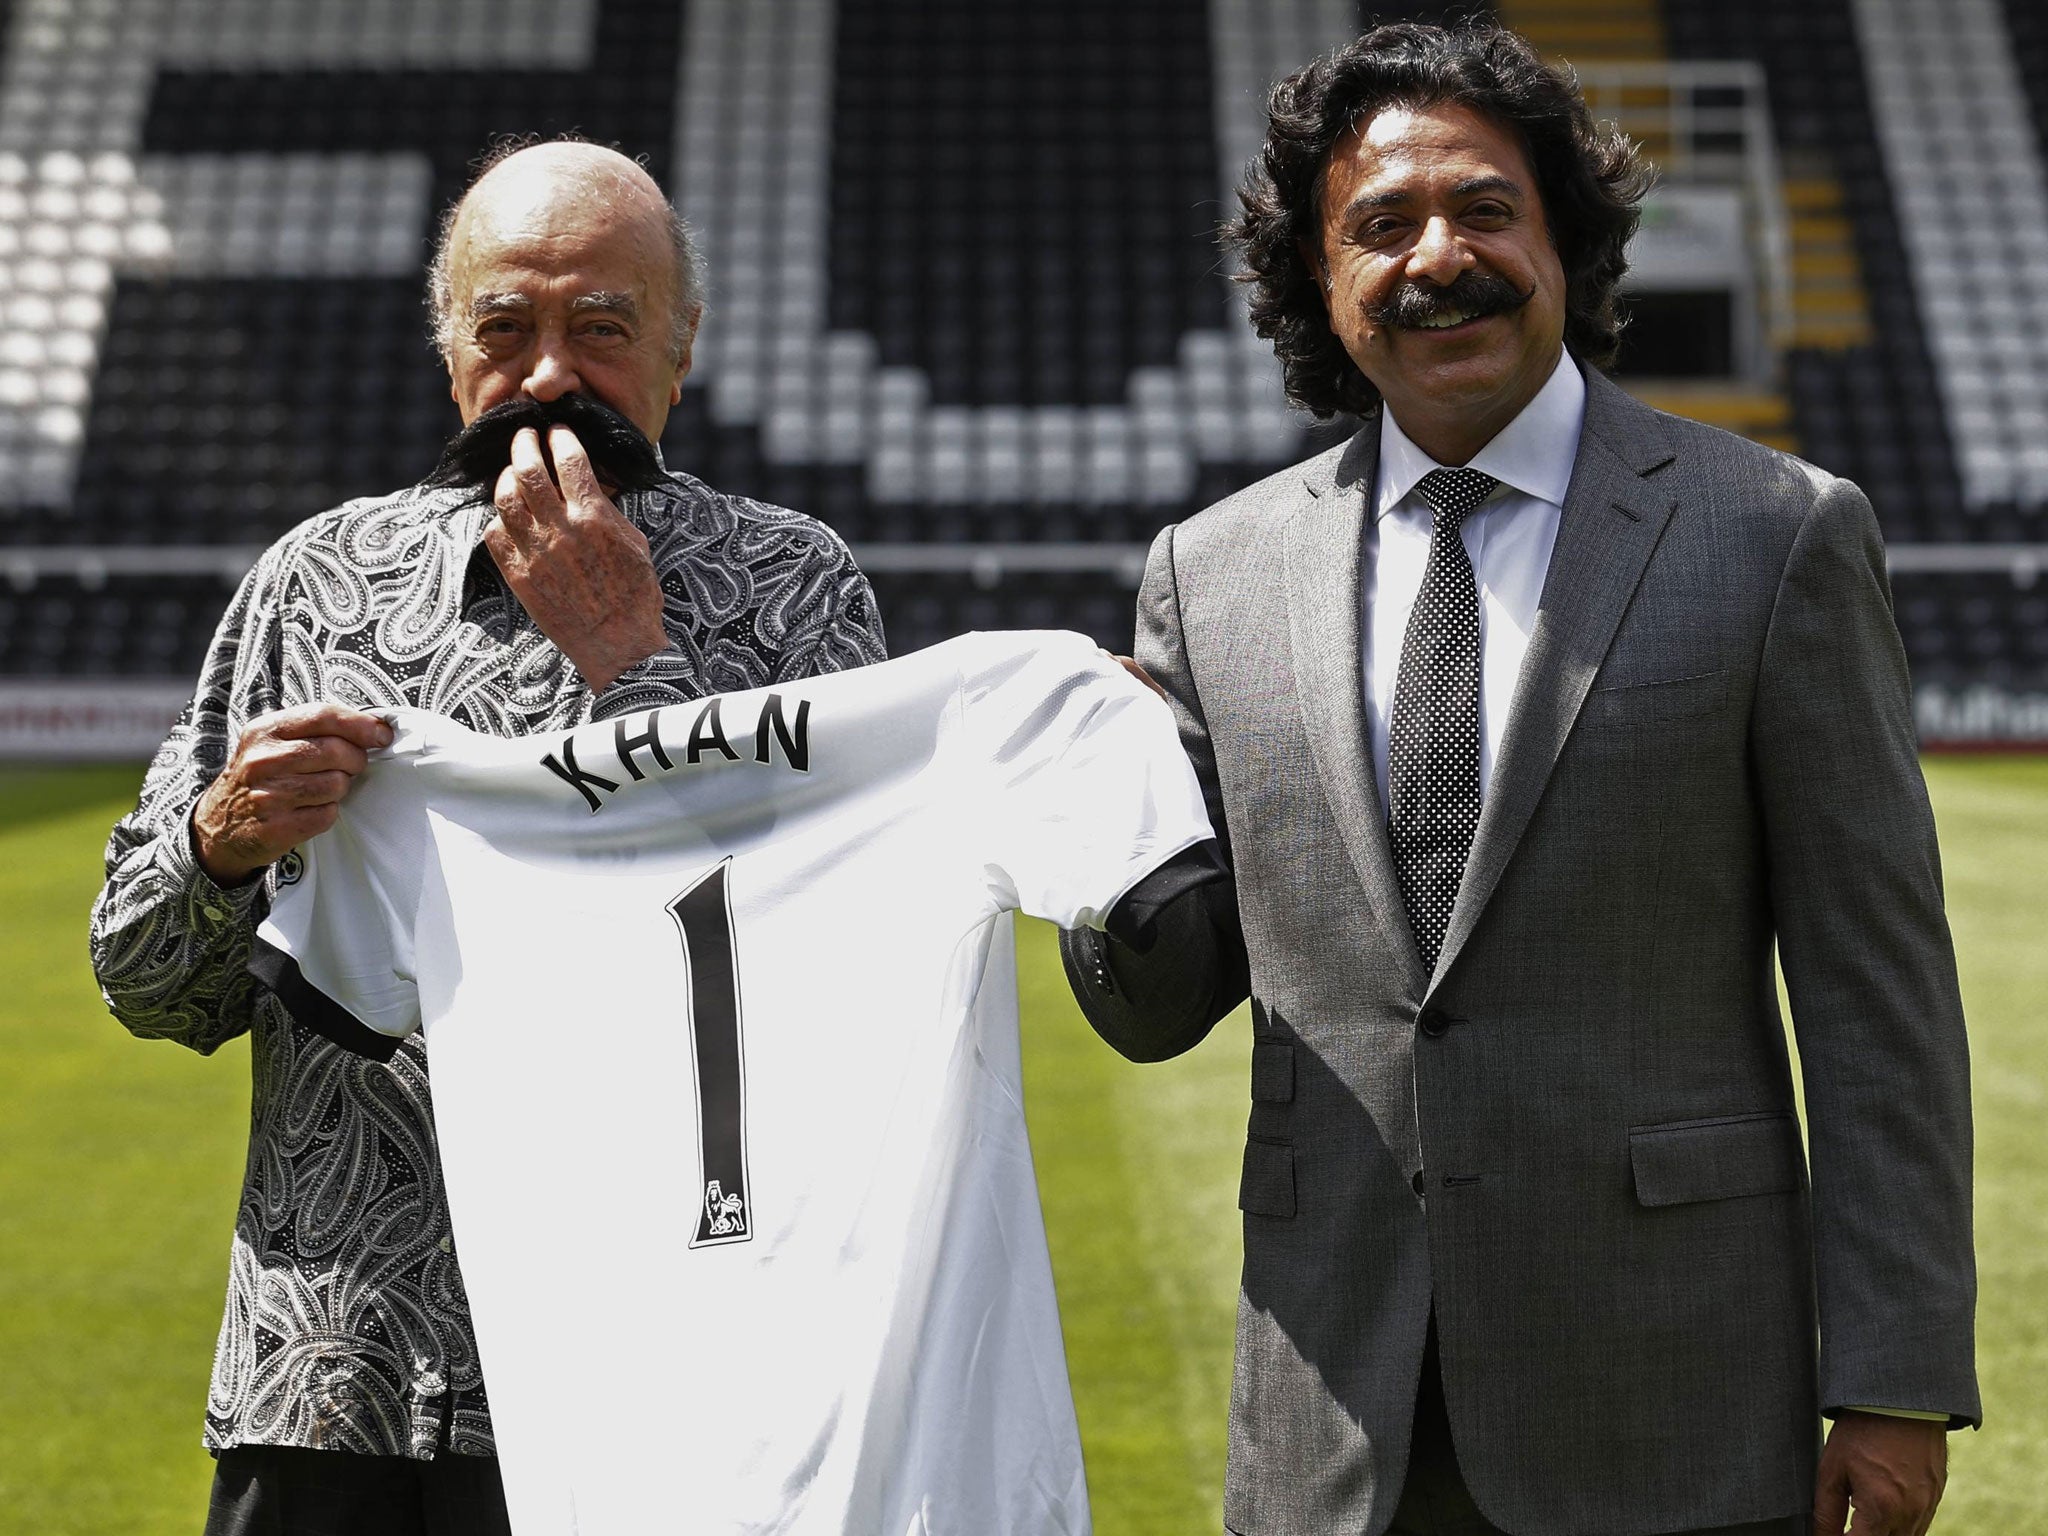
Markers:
1019,209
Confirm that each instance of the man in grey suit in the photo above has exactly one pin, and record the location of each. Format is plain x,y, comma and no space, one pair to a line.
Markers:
1532,720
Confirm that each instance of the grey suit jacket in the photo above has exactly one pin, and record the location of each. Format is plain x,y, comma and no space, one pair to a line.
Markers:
1576,1140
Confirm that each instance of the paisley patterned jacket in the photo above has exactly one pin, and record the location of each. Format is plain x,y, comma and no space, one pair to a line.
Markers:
346,1325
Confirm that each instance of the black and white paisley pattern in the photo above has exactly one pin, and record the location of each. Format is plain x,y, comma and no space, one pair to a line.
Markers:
346,1324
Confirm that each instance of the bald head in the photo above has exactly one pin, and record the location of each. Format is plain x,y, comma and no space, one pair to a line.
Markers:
563,270
564,190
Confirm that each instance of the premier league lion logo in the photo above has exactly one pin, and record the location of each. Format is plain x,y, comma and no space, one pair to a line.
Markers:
725,1214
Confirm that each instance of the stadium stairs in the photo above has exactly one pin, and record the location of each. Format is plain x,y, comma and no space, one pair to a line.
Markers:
1860,376
1590,33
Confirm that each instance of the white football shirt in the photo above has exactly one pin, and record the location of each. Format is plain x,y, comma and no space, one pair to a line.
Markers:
721,1007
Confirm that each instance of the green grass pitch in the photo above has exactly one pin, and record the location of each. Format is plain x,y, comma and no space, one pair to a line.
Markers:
120,1163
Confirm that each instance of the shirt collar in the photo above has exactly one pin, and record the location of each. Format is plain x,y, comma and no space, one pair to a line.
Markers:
1533,453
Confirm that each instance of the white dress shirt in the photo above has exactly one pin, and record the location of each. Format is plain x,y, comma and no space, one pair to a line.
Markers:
1509,537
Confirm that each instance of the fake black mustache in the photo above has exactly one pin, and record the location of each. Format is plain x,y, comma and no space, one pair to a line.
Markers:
619,451
1473,295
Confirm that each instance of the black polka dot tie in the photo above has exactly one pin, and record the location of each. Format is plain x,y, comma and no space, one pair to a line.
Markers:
1433,734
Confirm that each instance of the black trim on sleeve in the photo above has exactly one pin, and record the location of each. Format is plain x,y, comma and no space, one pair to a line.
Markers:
314,1008
1133,920
1170,962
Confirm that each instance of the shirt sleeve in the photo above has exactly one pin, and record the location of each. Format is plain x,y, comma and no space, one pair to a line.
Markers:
169,945
337,945
1082,786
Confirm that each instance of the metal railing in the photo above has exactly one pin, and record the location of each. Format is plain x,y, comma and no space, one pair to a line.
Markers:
92,565
1709,123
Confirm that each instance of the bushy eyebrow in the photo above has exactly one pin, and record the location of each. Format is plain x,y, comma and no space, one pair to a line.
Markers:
600,301
1472,186
1475,185
605,302
483,305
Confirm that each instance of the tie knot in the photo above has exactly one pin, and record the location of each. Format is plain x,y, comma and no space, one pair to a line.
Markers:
1455,492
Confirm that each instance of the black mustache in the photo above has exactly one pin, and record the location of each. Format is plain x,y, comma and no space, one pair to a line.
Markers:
1474,294
618,450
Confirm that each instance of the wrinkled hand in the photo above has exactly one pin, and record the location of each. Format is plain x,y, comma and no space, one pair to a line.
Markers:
580,569
284,784
1892,1471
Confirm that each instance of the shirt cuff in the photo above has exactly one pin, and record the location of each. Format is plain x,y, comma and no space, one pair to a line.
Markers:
209,905
1896,1413
667,677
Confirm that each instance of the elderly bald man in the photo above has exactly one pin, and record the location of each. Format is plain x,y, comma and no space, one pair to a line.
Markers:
551,570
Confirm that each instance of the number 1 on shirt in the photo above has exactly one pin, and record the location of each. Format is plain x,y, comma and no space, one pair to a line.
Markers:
703,915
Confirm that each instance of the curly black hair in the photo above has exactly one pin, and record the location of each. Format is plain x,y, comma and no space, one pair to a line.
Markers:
1591,178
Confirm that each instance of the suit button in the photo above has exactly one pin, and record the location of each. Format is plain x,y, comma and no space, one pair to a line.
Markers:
1433,1022
1416,1182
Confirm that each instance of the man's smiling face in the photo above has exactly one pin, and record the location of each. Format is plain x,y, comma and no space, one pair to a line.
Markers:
1439,273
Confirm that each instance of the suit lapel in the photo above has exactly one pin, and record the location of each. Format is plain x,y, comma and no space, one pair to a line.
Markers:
1324,542
1610,524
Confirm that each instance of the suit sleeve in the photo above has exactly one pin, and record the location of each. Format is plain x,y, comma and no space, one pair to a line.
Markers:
1855,881
1155,988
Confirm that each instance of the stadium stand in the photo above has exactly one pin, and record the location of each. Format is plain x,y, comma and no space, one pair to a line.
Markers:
965,300
1868,404
1967,183
2027,24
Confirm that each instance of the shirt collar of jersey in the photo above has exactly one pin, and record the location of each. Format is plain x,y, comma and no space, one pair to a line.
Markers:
1533,453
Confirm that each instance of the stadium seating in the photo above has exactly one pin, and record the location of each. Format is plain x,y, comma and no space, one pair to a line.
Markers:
964,289
1876,412
1862,411
2027,24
